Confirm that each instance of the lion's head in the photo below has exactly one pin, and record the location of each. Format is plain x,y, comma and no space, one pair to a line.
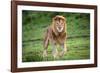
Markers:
59,24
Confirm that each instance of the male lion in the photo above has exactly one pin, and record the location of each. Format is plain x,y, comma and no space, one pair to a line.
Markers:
56,34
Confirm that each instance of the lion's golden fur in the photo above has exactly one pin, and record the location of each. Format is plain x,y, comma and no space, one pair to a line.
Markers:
54,36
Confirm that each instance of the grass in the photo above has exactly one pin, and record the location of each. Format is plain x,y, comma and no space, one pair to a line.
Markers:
34,27
78,48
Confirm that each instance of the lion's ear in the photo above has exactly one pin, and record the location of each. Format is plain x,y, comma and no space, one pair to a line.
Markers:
65,20
54,18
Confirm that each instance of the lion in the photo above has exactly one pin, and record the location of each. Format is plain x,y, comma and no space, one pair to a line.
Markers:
56,35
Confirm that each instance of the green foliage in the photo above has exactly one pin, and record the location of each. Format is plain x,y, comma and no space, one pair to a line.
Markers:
35,24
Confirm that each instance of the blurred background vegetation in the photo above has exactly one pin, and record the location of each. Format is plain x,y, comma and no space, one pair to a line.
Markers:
35,24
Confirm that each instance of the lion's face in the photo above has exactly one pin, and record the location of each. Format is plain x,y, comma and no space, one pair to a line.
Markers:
59,23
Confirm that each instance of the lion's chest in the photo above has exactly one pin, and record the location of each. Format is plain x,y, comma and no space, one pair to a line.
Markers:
59,39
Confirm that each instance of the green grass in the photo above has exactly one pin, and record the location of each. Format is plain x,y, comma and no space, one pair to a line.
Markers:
78,48
34,27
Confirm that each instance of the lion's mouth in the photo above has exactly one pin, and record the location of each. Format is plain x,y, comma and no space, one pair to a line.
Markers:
59,29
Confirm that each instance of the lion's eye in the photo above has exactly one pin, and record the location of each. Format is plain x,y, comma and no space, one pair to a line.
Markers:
57,23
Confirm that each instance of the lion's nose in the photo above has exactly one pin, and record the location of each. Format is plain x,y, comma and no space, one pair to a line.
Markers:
59,27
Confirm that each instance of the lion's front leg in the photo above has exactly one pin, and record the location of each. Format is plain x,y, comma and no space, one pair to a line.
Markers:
54,51
64,49
45,53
